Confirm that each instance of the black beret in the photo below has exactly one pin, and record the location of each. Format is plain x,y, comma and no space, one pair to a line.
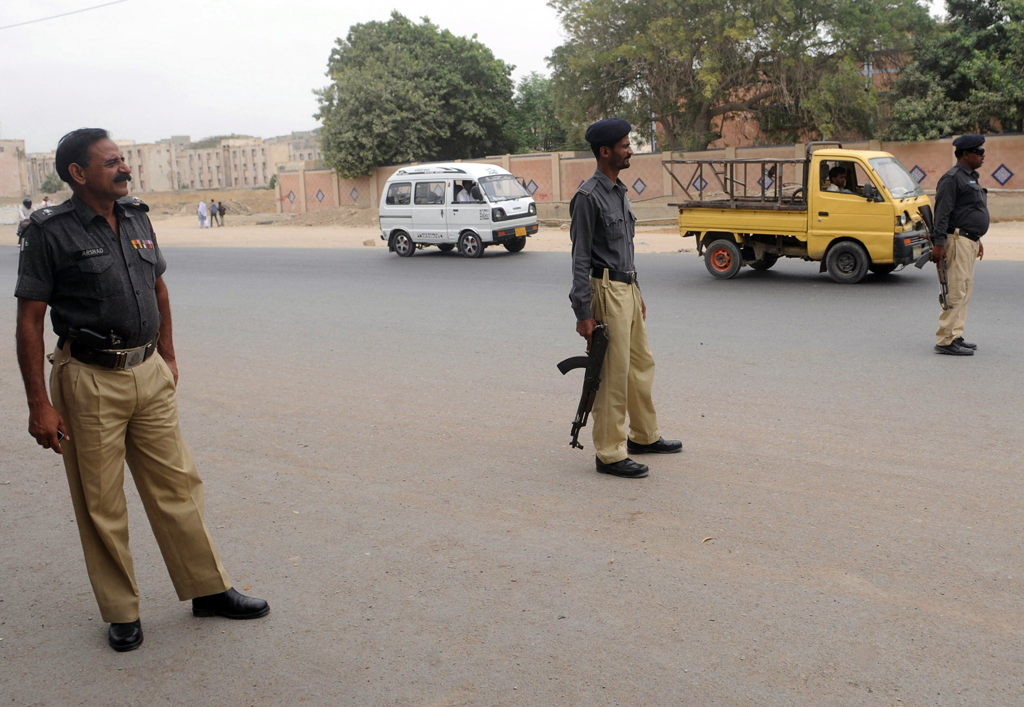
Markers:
608,131
968,142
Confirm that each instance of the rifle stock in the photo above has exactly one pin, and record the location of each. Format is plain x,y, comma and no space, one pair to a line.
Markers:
940,267
592,362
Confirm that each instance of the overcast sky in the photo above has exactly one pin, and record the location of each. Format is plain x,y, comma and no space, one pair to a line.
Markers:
149,69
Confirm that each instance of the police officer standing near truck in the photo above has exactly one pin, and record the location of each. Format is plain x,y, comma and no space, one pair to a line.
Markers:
604,289
95,262
961,219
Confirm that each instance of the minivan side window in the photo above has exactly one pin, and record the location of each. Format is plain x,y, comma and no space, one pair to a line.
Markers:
398,194
429,193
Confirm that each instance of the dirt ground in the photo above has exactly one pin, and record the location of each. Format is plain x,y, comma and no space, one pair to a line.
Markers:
1005,241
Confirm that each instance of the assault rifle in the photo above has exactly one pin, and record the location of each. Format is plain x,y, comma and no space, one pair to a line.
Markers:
592,362
940,267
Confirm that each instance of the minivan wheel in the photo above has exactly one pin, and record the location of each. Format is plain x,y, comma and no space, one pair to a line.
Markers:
470,245
847,262
404,245
723,259
515,246
445,247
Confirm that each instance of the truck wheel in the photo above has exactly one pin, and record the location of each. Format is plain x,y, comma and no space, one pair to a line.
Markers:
470,245
766,262
847,262
723,259
404,245
884,269
515,246
445,247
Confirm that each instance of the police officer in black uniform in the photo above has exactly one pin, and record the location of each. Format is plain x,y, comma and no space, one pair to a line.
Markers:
961,219
94,261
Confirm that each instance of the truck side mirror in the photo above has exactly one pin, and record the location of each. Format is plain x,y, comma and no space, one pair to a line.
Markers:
870,193
476,193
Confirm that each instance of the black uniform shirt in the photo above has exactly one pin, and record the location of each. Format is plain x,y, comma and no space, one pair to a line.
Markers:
602,228
960,202
71,259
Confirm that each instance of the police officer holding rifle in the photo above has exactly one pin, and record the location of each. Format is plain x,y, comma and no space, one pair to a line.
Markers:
95,262
961,219
604,290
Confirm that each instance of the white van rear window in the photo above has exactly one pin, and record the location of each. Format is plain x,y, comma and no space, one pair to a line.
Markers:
399,194
429,193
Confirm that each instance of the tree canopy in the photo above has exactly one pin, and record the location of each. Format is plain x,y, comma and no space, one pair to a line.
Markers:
534,125
968,76
687,64
406,92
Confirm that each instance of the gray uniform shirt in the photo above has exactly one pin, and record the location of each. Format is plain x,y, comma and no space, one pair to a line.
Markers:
602,228
960,202
71,259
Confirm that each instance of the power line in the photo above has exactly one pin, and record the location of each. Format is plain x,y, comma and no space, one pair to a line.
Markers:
63,14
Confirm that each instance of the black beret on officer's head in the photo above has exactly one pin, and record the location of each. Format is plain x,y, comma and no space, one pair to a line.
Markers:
607,132
968,142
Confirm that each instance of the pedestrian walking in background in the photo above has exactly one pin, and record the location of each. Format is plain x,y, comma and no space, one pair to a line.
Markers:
961,219
46,203
604,290
213,213
201,212
25,212
220,212
112,387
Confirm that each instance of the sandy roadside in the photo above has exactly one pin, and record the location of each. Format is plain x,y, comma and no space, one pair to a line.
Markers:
1005,241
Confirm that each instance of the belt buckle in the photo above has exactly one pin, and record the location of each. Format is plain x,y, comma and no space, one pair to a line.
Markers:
632,277
129,358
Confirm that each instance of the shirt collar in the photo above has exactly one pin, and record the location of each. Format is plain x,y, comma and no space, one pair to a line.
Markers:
970,172
608,184
86,215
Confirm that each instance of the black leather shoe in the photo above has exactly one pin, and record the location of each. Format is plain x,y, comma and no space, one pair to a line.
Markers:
953,350
125,637
662,446
230,605
959,341
627,468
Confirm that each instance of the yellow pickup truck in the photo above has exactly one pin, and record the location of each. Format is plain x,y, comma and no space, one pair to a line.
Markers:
855,211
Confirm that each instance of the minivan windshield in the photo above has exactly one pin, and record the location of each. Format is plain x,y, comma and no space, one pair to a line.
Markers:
895,177
502,188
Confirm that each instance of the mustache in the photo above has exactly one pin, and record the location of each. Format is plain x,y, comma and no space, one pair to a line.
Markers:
122,178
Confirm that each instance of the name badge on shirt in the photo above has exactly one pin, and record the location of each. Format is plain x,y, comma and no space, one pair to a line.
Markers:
142,244
89,253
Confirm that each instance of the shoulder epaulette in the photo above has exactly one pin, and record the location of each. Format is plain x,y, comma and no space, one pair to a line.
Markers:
133,202
42,215
587,186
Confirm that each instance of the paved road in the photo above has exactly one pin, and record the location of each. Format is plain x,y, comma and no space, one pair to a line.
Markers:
385,446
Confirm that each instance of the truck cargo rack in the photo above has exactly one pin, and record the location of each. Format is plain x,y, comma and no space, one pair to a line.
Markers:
757,183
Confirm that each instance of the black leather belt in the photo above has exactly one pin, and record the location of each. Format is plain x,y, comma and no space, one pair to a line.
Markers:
119,360
617,275
965,234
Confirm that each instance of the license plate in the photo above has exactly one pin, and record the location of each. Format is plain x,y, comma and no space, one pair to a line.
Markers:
521,231
917,252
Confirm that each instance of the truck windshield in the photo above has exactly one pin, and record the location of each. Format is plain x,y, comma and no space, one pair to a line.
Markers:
896,178
502,188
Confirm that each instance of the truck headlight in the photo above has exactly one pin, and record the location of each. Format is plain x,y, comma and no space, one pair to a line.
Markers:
533,209
498,214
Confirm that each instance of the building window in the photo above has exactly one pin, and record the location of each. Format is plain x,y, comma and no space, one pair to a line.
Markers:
236,181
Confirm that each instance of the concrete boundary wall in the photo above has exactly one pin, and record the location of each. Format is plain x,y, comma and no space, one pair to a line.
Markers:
555,176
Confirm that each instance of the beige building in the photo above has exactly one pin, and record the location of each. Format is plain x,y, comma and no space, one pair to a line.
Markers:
174,163
14,180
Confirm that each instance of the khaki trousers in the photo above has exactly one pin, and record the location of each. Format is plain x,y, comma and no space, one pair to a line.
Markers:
960,256
628,373
112,416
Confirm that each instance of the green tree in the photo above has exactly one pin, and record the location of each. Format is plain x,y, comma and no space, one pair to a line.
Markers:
691,63
966,77
52,184
534,125
407,92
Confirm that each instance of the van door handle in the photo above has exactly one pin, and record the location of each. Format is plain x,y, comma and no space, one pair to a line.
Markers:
455,211
823,213
442,212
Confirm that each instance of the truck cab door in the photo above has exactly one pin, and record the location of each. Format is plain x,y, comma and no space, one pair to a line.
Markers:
474,215
429,212
846,213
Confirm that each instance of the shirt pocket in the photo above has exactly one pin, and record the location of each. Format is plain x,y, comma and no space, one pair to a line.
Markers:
613,227
148,257
93,278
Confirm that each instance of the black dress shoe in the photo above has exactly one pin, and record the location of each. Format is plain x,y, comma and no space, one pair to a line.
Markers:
125,637
230,605
627,468
662,446
959,341
953,350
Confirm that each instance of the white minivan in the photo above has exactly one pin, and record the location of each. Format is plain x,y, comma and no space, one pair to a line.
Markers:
457,204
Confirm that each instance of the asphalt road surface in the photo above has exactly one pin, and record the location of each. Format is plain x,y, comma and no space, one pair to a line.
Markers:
384,443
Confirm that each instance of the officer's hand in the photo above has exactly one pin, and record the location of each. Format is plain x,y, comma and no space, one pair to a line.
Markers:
938,253
172,365
643,309
43,423
981,251
585,328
